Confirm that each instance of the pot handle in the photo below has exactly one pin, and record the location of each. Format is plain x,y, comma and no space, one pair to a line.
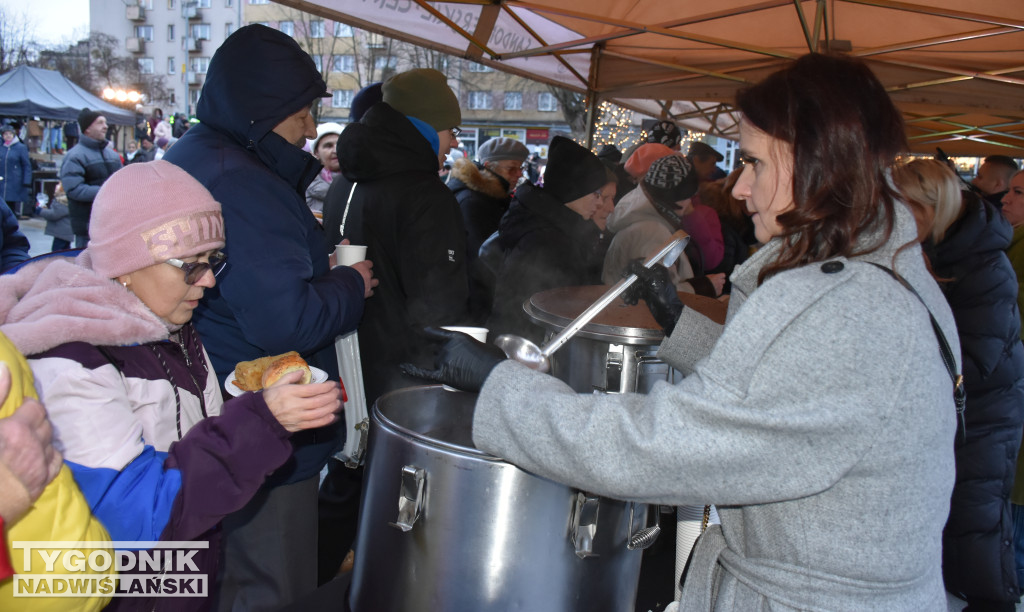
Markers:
362,428
410,497
583,524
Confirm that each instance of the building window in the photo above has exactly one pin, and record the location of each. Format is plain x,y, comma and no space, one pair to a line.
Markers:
318,61
229,3
342,98
479,100
343,63
200,64
342,29
202,3
170,32
316,29
513,100
170,4
228,29
287,27
193,95
145,32
146,65
259,2
385,61
475,67
200,31
171,66
546,102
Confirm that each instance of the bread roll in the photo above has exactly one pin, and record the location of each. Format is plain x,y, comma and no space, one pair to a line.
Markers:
284,365
249,374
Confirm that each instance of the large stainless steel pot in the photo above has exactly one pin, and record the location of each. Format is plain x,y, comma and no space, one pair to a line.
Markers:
447,527
615,353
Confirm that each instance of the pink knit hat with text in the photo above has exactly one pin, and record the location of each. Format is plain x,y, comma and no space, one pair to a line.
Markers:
145,214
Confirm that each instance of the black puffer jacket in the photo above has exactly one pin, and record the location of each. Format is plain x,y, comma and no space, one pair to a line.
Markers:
84,170
410,223
483,199
546,245
978,561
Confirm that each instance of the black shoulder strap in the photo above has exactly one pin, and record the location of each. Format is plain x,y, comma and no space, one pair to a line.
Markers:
959,394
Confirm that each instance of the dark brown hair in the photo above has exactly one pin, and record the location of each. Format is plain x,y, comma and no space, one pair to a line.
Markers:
845,133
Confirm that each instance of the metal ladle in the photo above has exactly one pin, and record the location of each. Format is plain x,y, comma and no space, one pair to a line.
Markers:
528,353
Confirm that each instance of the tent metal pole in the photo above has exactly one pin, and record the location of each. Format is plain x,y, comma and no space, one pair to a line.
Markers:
592,103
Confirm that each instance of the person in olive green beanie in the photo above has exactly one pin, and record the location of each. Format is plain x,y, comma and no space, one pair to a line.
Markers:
423,96
390,198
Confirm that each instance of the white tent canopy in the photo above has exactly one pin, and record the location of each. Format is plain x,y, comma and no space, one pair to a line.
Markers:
957,75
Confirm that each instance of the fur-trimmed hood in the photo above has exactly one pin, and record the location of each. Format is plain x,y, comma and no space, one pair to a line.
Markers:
60,299
477,179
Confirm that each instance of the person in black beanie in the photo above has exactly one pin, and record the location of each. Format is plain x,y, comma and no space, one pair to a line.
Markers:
364,99
87,166
547,236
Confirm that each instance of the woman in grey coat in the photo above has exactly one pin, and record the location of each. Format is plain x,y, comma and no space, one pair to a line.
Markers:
820,420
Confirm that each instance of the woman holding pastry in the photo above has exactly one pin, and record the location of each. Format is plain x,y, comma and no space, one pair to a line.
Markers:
134,400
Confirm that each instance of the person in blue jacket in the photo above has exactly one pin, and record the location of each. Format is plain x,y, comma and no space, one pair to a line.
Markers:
15,170
13,244
278,292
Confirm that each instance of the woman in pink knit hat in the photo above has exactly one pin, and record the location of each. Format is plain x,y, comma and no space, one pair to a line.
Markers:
135,403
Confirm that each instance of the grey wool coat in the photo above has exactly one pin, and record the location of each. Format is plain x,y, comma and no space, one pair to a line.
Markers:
821,423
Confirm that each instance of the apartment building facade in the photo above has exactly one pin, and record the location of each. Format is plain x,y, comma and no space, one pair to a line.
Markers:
177,38
171,38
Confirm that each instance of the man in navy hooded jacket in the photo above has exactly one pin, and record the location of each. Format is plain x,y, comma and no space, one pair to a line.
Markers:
277,292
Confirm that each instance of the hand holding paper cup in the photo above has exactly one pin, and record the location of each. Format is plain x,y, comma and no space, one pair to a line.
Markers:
348,254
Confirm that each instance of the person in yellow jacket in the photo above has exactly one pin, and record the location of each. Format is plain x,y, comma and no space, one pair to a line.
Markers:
39,500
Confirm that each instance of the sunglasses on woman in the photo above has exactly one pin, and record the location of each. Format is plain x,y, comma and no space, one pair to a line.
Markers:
195,270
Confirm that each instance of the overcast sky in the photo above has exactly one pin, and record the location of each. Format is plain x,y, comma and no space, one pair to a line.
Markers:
52,21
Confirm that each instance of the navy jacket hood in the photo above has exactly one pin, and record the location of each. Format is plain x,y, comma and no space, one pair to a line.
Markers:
257,78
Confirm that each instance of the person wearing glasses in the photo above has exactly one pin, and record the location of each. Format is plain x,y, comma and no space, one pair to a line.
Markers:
483,189
135,402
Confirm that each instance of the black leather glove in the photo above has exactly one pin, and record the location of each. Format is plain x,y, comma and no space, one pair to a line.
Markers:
462,362
657,289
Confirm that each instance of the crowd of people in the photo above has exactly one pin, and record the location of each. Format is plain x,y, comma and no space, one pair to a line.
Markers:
826,418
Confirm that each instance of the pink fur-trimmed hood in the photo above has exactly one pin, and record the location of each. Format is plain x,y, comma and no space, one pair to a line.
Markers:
59,300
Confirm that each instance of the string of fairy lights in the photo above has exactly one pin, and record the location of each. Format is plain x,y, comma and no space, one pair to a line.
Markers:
617,126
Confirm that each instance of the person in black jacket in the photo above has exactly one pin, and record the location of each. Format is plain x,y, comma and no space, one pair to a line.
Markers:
965,245
483,191
390,198
547,236
407,218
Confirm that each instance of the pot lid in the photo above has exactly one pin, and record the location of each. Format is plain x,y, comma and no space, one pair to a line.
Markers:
619,322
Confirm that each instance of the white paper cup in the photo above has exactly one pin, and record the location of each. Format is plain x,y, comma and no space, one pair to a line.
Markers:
478,333
348,254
